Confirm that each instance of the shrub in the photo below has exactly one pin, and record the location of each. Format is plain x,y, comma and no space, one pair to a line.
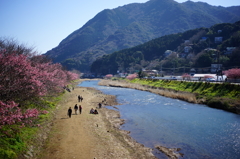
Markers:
132,76
109,76
7,154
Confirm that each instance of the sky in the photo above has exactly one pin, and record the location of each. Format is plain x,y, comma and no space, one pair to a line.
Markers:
43,24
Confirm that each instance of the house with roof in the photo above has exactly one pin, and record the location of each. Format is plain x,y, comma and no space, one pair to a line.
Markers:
218,39
229,50
183,55
187,49
203,38
216,67
167,53
151,72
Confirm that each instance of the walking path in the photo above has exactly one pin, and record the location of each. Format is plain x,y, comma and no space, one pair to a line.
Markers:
89,136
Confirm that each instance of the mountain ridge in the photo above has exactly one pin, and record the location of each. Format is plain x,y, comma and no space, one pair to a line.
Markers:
133,24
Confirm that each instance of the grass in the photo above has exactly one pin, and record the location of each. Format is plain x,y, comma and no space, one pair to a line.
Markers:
203,88
14,139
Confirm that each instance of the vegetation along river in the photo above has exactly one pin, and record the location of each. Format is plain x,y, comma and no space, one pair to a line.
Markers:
199,131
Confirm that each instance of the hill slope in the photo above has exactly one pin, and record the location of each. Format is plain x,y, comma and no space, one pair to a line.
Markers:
202,51
133,24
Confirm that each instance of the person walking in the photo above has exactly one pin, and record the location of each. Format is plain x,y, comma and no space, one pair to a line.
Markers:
80,109
79,98
100,105
69,112
76,108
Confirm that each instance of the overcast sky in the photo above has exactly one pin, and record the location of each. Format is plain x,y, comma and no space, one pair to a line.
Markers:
45,23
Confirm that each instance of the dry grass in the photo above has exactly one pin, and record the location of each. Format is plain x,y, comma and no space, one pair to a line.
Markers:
189,97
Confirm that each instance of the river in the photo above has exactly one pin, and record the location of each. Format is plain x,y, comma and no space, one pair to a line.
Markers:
200,131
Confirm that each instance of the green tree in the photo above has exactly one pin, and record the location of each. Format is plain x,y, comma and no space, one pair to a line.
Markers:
204,60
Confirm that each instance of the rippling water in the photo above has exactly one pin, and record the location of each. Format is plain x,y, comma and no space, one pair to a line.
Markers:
200,131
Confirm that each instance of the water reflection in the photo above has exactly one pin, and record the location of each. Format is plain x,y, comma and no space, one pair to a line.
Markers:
200,131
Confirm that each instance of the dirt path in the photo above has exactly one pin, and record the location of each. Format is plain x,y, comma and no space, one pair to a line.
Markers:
88,136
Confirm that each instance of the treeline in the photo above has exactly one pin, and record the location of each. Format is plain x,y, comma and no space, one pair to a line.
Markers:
151,55
27,81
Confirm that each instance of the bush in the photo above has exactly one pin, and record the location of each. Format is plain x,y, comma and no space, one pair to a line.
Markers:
7,154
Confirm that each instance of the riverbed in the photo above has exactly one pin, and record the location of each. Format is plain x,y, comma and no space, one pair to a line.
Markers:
199,131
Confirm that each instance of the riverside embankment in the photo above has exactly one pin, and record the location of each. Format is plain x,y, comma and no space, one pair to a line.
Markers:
222,96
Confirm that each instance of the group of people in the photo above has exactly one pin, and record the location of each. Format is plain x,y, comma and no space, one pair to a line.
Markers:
66,88
76,108
79,108
80,98
92,111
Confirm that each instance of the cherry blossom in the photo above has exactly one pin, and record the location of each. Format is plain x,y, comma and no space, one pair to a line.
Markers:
132,76
233,73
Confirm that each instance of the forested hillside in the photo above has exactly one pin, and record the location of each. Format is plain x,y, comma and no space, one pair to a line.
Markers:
197,48
134,24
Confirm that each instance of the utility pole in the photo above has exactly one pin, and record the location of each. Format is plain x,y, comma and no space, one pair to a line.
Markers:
218,65
161,70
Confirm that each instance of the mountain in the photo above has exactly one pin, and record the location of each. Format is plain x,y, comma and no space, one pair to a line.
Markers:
197,48
134,24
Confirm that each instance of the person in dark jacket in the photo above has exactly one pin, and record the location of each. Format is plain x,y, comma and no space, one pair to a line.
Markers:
70,112
100,105
76,108
80,109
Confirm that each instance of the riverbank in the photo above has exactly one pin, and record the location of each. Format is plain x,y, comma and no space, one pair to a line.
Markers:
90,136
189,97
231,104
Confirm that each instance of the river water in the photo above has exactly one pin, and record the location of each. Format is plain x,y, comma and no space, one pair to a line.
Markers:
201,132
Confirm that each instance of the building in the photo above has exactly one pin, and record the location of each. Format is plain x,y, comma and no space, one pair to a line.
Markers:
151,72
167,53
203,39
187,49
229,50
215,68
218,39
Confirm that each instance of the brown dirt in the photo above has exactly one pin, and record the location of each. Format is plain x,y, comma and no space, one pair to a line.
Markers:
86,136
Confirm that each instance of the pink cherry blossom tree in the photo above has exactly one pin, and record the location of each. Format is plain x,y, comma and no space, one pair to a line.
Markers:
109,76
186,76
19,80
132,76
25,77
233,73
12,114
